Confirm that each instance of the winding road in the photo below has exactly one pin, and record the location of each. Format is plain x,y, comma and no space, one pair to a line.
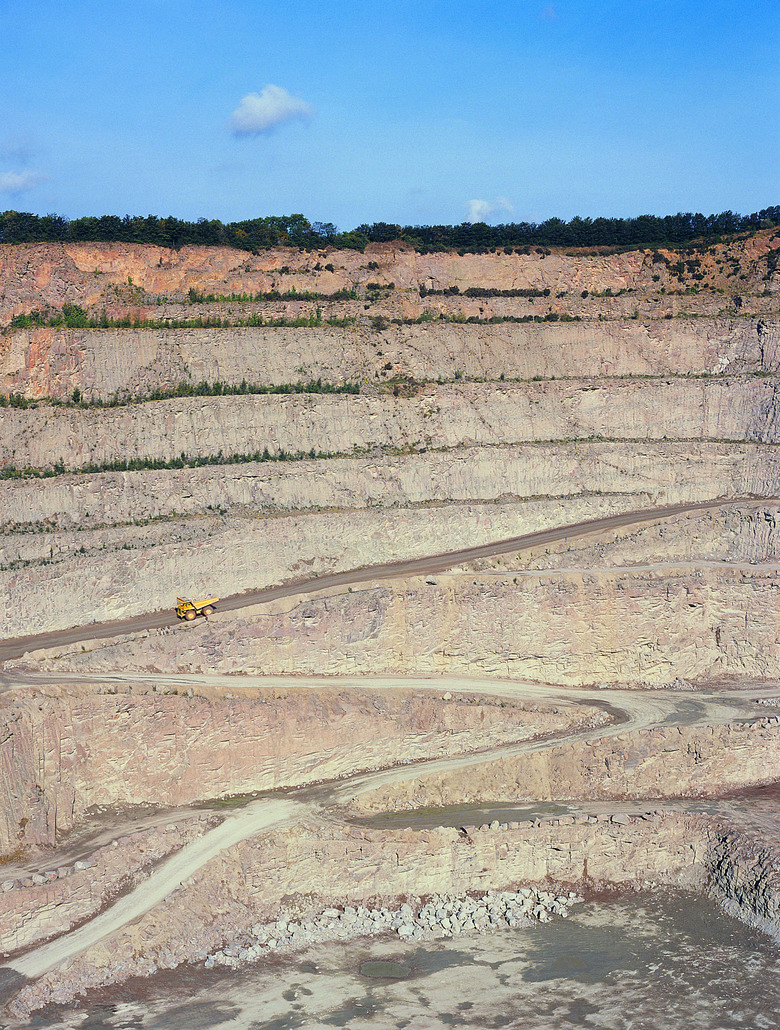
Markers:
631,711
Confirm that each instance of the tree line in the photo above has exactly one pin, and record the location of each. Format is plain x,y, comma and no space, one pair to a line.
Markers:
295,230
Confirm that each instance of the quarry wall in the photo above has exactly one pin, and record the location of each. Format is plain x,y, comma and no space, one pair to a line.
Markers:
302,870
657,762
121,572
458,453
101,362
654,473
108,275
111,573
65,754
436,417
646,627
33,912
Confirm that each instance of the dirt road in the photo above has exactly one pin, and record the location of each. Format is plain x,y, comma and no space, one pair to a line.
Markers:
634,710
18,646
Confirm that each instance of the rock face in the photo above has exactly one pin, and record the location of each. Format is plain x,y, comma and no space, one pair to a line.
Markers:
464,429
402,508
665,761
498,394
645,628
276,893
745,878
64,755
437,417
127,277
101,363
48,906
581,476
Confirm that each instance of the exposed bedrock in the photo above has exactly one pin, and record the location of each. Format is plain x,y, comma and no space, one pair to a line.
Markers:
311,869
437,417
644,475
634,627
734,533
298,871
46,906
102,362
745,877
294,874
113,572
64,754
661,761
121,277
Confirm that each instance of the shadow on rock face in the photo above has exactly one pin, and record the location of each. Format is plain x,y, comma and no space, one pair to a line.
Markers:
10,983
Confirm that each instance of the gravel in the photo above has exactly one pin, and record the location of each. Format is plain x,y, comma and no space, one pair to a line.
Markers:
443,915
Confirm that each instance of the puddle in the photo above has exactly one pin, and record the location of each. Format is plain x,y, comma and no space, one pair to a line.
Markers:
459,815
384,970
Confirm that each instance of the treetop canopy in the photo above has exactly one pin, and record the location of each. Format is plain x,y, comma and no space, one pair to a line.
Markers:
295,230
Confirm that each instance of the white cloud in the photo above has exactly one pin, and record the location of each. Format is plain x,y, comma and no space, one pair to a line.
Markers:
261,112
20,182
482,210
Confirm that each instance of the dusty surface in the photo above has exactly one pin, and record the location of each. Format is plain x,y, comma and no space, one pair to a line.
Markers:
436,417
651,382
33,912
122,278
393,535
273,814
606,964
69,749
648,626
102,363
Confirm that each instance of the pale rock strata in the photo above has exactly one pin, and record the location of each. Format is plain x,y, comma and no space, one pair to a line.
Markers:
653,473
298,872
103,362
629,627
438,417
66,754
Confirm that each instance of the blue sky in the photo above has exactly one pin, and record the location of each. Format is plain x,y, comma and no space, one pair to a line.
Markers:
386,110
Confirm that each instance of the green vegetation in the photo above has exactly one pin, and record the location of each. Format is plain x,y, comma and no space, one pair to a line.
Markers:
15,400
195,297
482,291
9,472
203,389
145,464
74,317
431,316
295,230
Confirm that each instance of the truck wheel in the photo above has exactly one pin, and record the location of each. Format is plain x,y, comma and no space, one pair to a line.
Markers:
189,616
208,610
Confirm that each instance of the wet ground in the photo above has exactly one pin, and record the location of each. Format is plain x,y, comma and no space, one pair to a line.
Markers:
644,962
757,807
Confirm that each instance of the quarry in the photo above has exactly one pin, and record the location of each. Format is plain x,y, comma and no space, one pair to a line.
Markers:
496,544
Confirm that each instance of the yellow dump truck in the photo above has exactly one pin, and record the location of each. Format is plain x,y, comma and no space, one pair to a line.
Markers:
189,610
